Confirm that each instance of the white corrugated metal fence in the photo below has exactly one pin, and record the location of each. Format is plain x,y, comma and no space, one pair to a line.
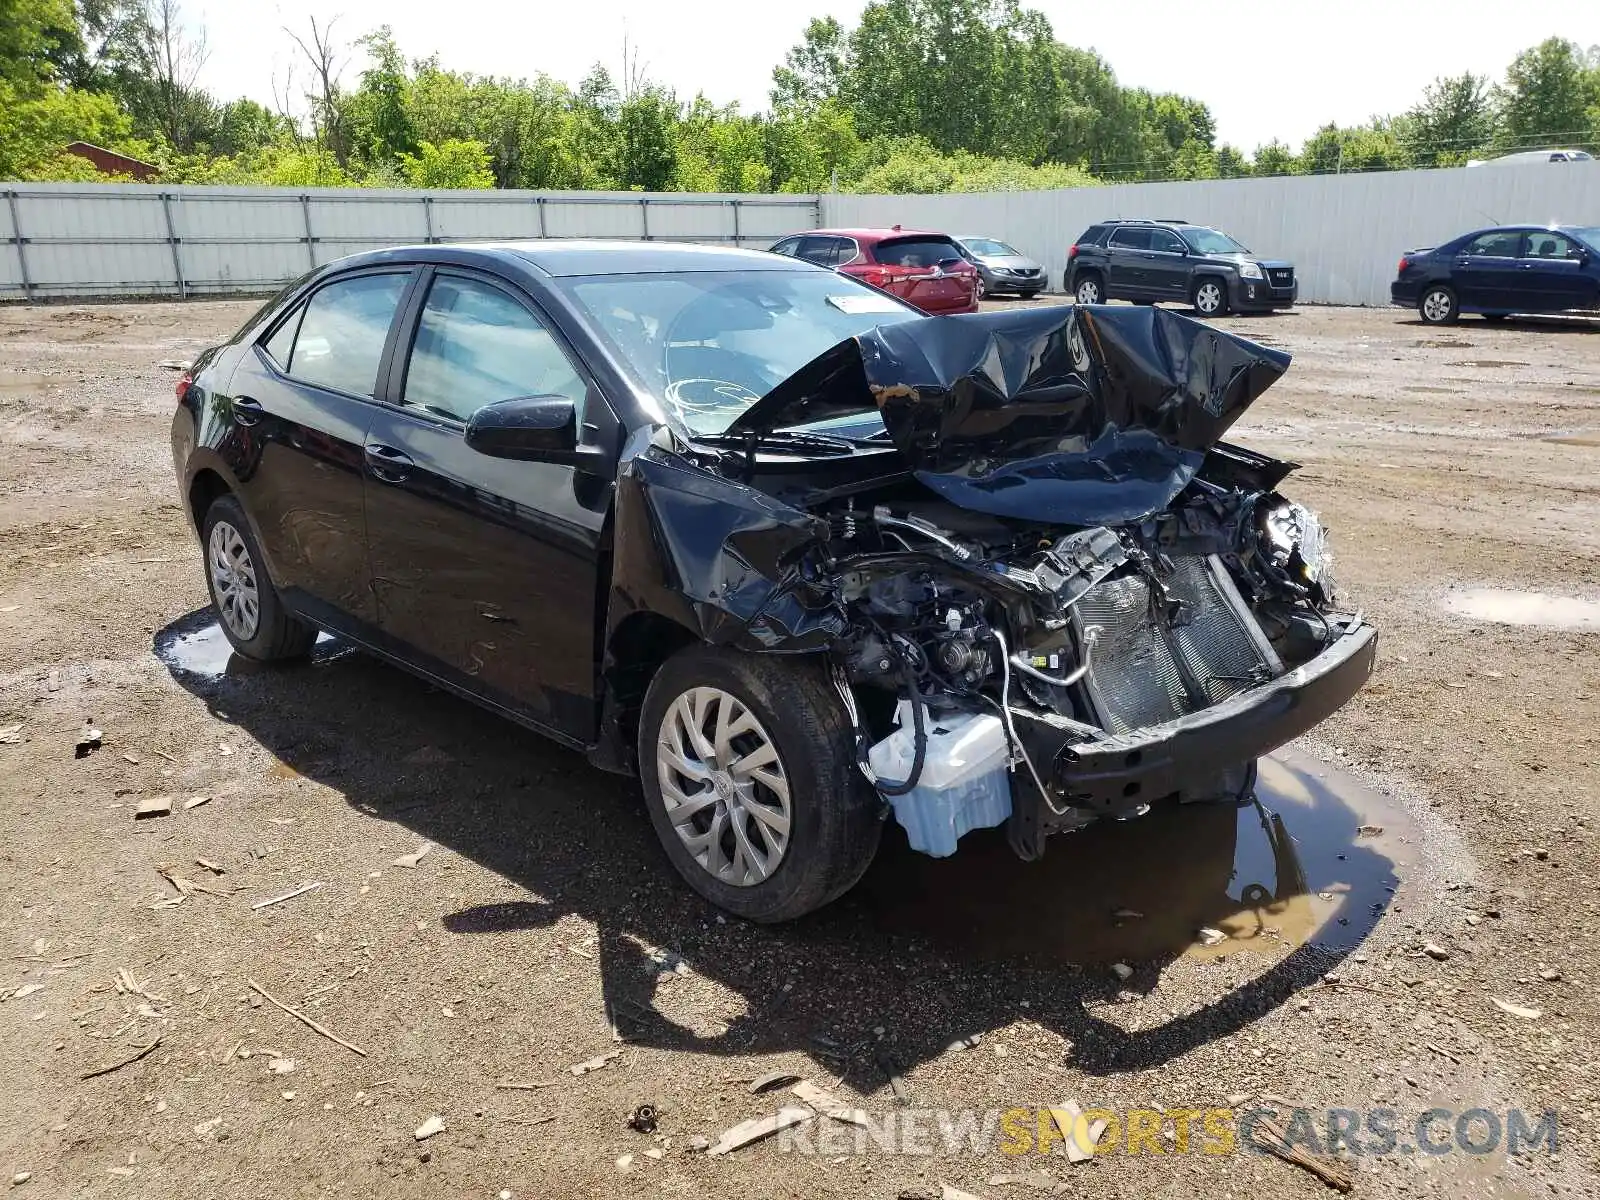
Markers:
1342,232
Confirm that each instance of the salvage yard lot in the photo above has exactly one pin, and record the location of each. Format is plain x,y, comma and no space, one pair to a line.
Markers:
544,928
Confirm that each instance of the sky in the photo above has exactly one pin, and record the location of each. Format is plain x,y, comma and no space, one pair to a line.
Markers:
1267,68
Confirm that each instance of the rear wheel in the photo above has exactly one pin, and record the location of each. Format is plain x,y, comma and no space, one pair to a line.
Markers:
1438,306
1211,297
749,775
248,607
1089,290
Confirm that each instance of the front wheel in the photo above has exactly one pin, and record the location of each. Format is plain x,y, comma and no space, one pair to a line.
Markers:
1211,298
1438,306
249,608
1029,295
749,776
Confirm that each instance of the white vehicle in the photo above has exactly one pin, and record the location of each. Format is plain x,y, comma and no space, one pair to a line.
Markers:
1524,157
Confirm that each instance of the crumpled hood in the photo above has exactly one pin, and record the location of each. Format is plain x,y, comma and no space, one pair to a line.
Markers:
1088,415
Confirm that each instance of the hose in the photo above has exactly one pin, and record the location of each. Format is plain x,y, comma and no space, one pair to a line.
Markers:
919,735
1011,729
1067,680
961,552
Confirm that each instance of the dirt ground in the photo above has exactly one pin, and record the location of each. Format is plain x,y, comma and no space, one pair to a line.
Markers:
544,928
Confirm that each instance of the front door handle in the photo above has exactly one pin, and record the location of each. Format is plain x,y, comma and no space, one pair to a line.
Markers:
247,411
387,464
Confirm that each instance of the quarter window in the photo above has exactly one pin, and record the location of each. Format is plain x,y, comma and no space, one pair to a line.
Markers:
342,332
1501,244
476,346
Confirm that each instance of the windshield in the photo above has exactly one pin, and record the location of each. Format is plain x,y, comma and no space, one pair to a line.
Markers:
1209,241
988,246
709,344
1589,234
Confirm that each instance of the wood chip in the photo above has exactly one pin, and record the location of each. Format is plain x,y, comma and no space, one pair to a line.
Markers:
300,1016
1270,1136
117,1066
195,802
432,1126
11,735
597,1063
1080,1139
153,806
299,891
1516,1010
210,866
946,1192
757,1128
772,1079
412,859
828,1104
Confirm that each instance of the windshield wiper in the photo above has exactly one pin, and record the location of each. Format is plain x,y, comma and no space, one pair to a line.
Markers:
778,439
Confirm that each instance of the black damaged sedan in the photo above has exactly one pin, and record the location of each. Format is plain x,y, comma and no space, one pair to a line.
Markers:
796,555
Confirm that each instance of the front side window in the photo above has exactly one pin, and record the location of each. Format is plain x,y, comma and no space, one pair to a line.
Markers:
708,344
475,345
1501,244
1166,241
820,250
787,247
342,331
1551,245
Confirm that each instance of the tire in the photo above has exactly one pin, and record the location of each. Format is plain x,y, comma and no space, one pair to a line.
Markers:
1210,298
833,816
249,609
983,288
1089,290
1438,306
1029,295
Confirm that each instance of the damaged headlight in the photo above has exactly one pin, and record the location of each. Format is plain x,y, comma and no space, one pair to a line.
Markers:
1298,543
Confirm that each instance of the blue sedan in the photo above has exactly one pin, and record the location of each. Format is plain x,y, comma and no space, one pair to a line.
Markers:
1497,272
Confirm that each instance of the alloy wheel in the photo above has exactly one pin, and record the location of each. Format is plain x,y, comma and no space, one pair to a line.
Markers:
1088,292
723,786
233,581
1437,305
1208,298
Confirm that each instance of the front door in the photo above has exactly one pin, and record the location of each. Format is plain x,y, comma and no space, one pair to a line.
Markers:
485,569
302,400
1552,275
1167,266
1485,271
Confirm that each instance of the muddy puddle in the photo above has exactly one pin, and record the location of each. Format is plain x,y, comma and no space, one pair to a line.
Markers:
1291,869
1507,607
197,647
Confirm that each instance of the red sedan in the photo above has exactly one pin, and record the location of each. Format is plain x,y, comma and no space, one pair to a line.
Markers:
924,269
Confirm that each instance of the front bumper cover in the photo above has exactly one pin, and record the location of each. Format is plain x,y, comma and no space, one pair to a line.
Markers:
1116,775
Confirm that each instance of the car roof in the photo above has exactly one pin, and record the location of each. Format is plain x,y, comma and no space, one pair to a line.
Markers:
563,257
873,235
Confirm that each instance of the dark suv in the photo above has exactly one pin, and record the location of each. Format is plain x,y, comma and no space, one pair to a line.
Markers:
1148,261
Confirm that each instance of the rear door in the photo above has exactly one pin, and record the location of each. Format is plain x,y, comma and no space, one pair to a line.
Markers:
1127,263
485,569
1166,266
1484,272
302,400
1551,275
918,276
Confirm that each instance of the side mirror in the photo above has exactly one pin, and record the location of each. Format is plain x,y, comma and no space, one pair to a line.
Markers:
530,429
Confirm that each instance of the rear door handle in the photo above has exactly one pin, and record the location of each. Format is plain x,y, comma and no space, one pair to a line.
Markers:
387,464
247,411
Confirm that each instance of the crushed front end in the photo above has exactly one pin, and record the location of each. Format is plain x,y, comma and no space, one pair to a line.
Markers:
1069,599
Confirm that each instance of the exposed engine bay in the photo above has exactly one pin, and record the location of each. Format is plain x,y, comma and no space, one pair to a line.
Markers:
1069,599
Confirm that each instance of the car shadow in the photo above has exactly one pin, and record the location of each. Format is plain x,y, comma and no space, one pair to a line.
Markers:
1529,323
930,951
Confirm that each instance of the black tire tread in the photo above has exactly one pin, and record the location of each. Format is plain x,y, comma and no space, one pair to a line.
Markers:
836,814
279,637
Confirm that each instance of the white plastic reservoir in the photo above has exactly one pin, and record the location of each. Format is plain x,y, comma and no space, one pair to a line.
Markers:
963,785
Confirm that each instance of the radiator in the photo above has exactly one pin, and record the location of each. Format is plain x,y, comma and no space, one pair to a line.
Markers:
1143,672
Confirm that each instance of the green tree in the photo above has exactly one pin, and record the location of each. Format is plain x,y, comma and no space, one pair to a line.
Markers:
452,164
1453,121
1275,159
37,123
379,117
647,152
1231,163
814,71
1546,98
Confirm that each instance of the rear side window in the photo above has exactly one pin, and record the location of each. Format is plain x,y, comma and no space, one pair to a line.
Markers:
1132,237
1504,244
475,346
342,331
915,252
